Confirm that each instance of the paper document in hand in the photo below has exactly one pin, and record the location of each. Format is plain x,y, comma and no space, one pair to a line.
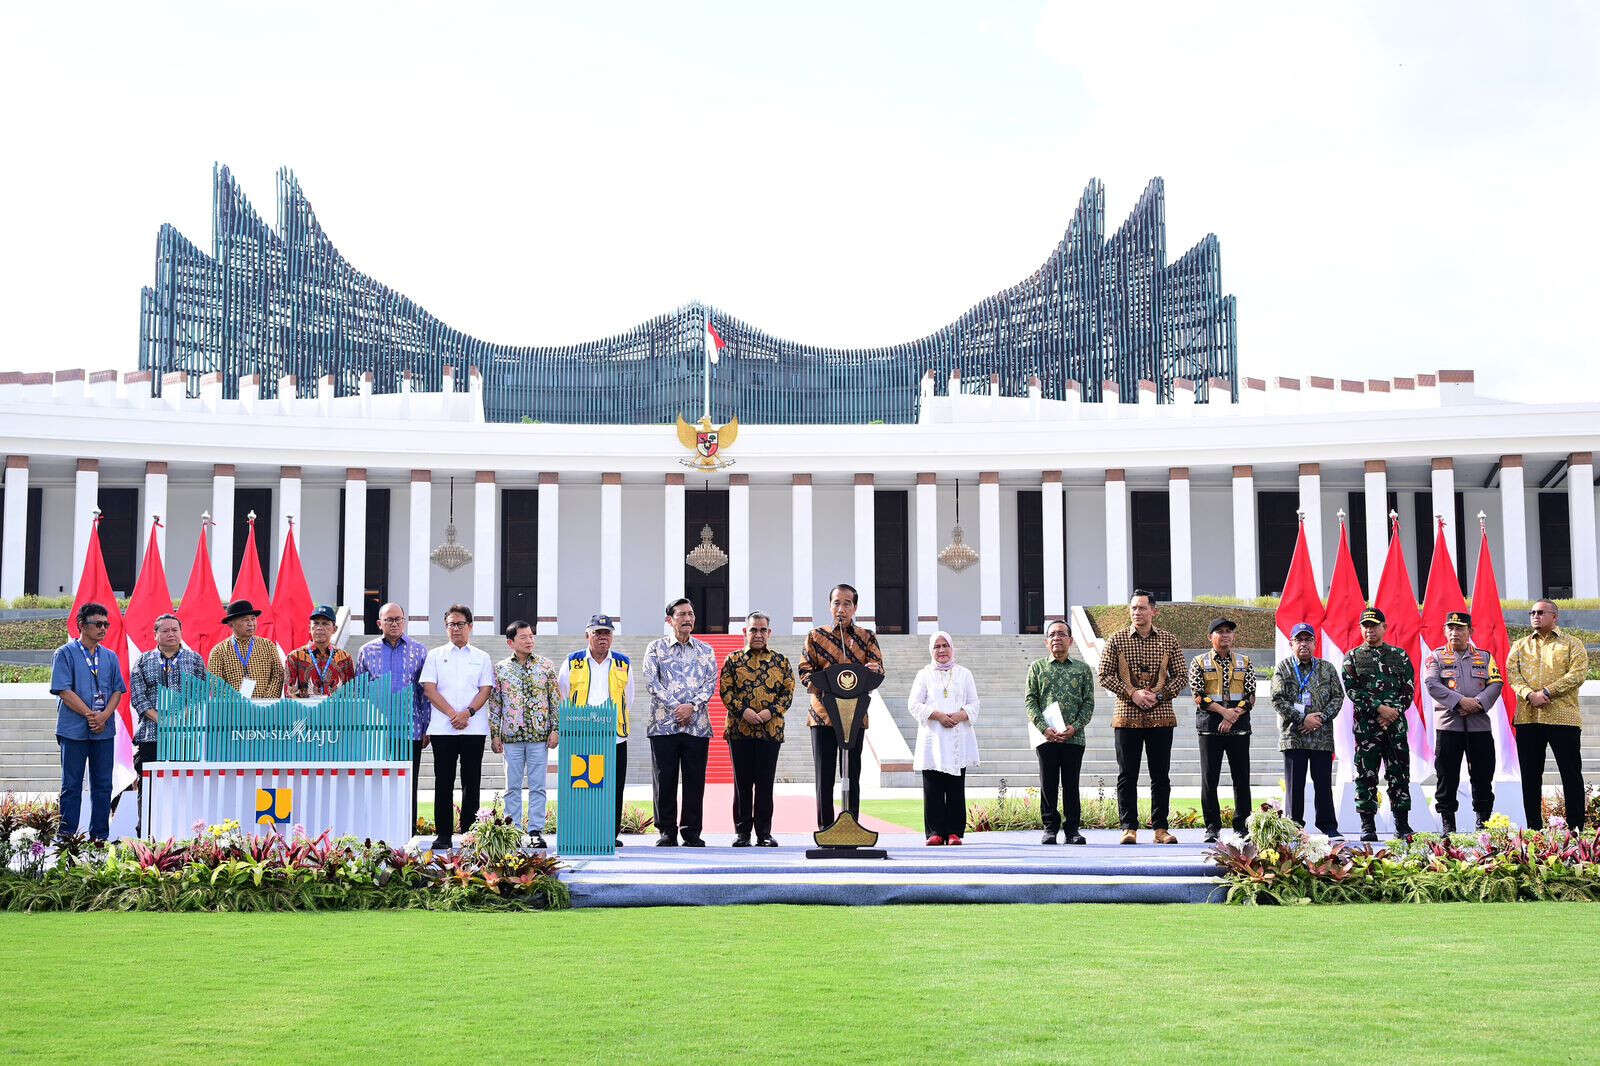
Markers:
1053,719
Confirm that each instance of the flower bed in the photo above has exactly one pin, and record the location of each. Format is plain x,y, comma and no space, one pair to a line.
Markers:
222,869
1281,863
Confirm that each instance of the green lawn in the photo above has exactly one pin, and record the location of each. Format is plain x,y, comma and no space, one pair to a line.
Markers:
1459,983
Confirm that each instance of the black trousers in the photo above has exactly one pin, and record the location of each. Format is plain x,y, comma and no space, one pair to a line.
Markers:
1563,741
416,780
1213,746
1449,746
143,752
944,803
447,752
755,766
675,756
1059,764
825,761
1156,744
1296,763
622,779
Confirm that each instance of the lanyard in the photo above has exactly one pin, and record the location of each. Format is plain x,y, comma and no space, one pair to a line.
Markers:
93,663
244,660
1305,678
322,671
166,670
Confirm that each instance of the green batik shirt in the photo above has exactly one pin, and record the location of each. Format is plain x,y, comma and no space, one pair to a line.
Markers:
1070,684
1377,676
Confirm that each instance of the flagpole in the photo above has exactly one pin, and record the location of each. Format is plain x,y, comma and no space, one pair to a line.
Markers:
705,359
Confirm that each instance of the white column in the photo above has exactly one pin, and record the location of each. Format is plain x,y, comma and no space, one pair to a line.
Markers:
288,507
220,537
1311,504
1053,533
1513,528
549,552
927,553
1444,505
1118,562
419,609
155,503
989,552
866,570
1182,545
355,547
14,553
485,530
738,551
1246,571
611,547
1580,508
675,543
1376,488
85,499
804,596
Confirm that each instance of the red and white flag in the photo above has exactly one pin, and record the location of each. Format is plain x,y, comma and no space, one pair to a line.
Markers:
1341,632
1397,599
251,584
1489,633
1300,601
714,341
291,599
1442,596
201,608
151,599
94,586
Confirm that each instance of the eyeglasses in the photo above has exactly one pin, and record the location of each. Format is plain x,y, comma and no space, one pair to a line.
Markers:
1539,610
457,625
391,621
100,622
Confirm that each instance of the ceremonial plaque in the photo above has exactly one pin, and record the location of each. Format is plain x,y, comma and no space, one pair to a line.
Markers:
845,687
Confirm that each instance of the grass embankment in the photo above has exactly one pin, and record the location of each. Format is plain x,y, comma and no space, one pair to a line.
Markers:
1483,983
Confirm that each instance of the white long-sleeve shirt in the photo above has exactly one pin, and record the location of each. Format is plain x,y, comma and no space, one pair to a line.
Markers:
948,750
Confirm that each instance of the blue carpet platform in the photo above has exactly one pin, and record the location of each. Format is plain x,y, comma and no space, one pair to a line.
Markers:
988,868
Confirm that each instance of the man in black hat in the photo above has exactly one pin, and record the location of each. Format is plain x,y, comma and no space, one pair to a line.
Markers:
1380,683
1465,685
249,663
318,669
1224,685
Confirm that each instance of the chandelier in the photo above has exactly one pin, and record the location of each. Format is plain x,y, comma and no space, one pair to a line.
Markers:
706,557
958,554
450,555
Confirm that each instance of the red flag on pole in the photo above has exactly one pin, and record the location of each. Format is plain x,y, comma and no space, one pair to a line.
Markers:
1489,633
291,599
151,599
1397,599
201,610
251,585
95,587
1341,632
1442,596
1300,602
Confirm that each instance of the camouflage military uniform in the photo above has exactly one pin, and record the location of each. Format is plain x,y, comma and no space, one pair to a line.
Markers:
1374,677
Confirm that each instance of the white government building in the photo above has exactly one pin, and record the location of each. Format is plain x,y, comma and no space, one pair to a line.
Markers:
1064,502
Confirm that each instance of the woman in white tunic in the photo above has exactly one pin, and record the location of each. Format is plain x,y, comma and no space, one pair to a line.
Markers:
944,701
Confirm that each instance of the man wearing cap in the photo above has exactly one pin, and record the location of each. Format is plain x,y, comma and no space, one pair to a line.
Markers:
1224,685
1143,667
1464,683
249,663
1381,684
595,674
1307,695
318,669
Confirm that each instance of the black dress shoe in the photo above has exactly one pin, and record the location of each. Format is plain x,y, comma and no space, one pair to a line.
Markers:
766,842
665,841
1211,836
440,845
1048,838
619,842
741,841
1076,837
537,841
693,841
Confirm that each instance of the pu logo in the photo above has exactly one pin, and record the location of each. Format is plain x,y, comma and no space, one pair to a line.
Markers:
274,806
588,771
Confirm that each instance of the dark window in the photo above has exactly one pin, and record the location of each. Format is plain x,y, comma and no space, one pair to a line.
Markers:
1425,530
708,592
375,591
245,501
1277,527
519,556
30,554
891,561
1152,543
1555,545
1030,559
119,536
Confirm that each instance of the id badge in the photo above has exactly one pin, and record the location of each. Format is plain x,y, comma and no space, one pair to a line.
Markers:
247,688
99,702
1305,700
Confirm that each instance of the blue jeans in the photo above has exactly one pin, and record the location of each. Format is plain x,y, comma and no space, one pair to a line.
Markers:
100,756
526,763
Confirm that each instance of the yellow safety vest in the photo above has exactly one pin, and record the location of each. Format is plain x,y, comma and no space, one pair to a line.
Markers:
578,685
1213,675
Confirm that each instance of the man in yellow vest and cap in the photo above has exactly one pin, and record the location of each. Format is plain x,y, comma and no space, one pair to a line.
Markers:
595,674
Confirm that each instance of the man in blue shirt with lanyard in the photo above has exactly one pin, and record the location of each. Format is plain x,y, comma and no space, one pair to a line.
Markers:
86,677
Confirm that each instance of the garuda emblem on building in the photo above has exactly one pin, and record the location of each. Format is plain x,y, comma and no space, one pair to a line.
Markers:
706,443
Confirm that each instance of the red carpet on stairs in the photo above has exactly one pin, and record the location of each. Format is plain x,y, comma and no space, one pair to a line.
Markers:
719,767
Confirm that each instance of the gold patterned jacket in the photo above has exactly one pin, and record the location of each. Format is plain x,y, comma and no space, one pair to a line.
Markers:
756,681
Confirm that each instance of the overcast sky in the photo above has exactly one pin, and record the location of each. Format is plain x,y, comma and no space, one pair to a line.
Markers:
1396,187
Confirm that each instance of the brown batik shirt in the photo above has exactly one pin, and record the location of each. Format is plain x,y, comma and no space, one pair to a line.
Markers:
824,648
1129,662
